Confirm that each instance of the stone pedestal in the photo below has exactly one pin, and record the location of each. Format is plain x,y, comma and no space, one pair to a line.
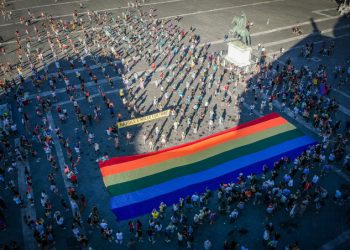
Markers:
344,9
238,54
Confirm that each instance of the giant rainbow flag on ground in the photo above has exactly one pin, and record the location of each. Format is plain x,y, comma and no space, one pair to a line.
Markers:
139,183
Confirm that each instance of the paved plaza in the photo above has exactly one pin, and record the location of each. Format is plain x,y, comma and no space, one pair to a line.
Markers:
119,60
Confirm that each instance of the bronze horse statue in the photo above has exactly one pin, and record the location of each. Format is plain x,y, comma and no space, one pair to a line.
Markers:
239,29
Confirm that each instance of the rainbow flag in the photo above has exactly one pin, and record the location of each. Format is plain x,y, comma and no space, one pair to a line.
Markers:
139,183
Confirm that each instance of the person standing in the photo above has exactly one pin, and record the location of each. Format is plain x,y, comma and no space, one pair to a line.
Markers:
150,233
119,237
163,140
128,138
139,230
97,148
176,125
207,245
151,145
116,143
221,122
211,124
183,135
252,107
144,137
59,219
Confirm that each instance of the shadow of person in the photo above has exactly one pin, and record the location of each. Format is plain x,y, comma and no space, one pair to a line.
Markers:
315,29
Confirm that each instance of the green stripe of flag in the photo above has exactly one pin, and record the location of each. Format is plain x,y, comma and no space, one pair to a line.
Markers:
208,162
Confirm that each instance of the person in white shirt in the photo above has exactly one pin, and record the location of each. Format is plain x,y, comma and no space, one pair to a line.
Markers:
119,237
207,245
151,145
195,199
233,215
76,231
315,179
104,225
158,227
59,219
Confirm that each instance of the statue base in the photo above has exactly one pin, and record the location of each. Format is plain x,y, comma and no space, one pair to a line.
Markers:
344,9
238,53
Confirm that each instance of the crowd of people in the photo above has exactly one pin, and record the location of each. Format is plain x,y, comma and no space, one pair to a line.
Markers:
204,94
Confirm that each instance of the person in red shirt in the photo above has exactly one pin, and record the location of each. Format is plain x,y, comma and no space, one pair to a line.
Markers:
74,179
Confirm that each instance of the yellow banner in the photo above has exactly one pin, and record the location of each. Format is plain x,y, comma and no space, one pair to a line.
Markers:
147,118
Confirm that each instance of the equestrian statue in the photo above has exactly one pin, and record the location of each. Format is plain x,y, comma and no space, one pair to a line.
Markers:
240,29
